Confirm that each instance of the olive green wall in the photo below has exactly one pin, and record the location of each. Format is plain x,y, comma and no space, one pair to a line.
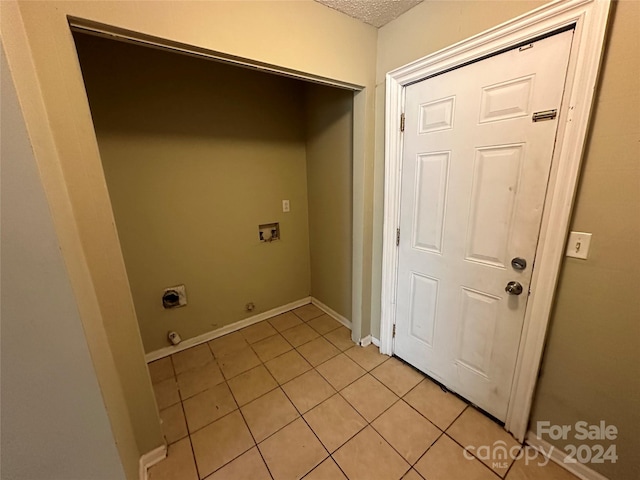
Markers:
301,36
196,155
329,115
591,365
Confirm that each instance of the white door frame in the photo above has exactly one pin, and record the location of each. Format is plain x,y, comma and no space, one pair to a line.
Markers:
590,20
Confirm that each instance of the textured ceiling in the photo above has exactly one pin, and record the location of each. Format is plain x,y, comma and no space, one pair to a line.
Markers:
373,12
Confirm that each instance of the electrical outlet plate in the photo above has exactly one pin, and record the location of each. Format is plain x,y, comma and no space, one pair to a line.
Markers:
286,206
578,245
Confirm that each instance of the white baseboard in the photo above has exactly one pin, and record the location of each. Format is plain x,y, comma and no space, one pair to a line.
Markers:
557,455
329,311
149,459
375,341
205,337
366,341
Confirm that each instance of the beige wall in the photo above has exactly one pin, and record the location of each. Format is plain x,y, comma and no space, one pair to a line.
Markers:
58,119
196,155
590,369
329,133
50,394
127,395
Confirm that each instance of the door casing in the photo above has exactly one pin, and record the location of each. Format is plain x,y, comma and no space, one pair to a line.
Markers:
590,20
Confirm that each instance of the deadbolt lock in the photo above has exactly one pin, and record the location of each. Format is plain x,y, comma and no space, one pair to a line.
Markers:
519,263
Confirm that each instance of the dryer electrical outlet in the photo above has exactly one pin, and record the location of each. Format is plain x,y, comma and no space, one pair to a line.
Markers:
173,297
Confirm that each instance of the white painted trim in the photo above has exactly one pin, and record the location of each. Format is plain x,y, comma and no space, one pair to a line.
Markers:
205,337
366,341
590,20
149,459
559,456
375,341
331,312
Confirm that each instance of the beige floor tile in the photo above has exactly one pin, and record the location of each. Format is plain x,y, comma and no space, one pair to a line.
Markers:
300,334
318,351
474,429
166,393
367,357
161,370
271,347
340,371
341,338
397,376
258,332
220,442
369,397
179,464
368,457
307,312
533,465
228,344
292,452
407,431
308,390
238,362
174,426
248,466
192,358
285,321
268,414
412,475
208,406
445,460
287,366
199,379
327,470
440,407
324,324
334,421
252,384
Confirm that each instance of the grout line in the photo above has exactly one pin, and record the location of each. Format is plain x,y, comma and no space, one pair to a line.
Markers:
301,415
514,462
184,413
255,442
474,456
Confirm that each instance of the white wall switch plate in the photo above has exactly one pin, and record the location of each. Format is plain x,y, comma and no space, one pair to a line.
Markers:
285,205
578,245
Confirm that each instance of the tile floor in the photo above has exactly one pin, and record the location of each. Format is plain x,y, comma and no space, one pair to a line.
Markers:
293,397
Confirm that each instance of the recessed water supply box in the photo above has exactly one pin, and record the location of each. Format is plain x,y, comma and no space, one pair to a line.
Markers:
269,232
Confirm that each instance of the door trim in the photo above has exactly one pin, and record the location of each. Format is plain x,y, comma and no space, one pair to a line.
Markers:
590,20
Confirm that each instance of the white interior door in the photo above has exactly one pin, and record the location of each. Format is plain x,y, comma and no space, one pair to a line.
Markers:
474,175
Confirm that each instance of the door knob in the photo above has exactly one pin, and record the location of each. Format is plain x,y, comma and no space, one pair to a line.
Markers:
513,288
